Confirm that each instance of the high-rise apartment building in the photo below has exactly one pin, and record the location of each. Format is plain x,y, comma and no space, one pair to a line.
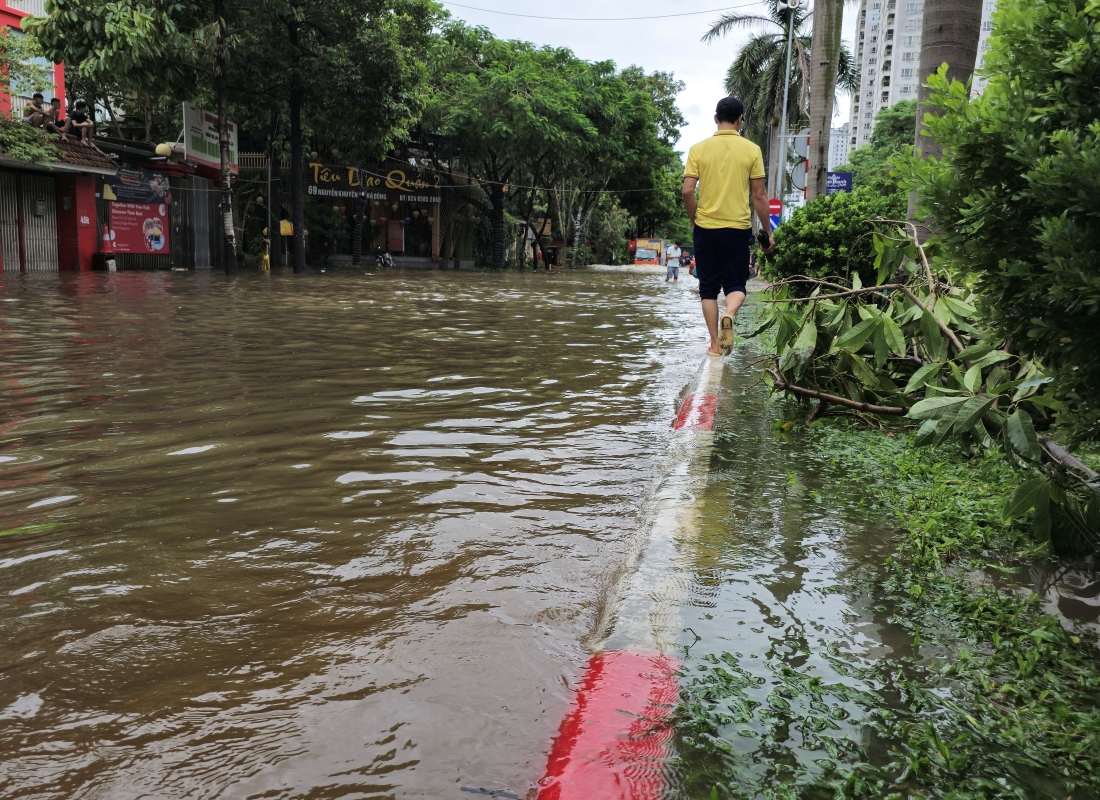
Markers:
988,7
838,146
888,54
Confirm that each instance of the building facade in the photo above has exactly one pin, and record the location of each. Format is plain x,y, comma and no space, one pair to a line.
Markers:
888,39
839,145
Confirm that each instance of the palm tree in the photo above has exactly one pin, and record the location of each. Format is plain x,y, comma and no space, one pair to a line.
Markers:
826,48
758,73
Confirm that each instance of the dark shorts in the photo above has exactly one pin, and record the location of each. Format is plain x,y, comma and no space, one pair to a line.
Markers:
721,260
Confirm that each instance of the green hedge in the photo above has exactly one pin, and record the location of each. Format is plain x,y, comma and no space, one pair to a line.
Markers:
830,237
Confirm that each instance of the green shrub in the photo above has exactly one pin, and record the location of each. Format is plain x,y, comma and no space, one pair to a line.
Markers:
830,236
893,135
25,143
1014,198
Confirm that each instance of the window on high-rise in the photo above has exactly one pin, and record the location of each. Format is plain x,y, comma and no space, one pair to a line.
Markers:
905,89
910,56
907,72
911,24
911,8
989,7
987,25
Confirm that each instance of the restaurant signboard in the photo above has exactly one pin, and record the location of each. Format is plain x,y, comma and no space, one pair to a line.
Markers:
405,184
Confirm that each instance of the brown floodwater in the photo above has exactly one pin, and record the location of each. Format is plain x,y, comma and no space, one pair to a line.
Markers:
340,535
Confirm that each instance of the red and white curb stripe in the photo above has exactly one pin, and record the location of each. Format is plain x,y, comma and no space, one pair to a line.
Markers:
614,741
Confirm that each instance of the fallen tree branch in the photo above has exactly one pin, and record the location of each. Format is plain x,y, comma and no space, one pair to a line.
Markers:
784,386
1060,455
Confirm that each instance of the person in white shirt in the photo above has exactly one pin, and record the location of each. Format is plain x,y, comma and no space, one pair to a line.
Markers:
672,263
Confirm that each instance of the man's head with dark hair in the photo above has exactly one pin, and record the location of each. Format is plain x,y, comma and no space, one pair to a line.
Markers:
37,96
56,102
677,243
729,109
80,105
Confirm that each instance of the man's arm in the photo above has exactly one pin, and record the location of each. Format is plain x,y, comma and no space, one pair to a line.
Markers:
760,203
689,198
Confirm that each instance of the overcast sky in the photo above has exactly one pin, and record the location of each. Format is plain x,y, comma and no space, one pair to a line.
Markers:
671,45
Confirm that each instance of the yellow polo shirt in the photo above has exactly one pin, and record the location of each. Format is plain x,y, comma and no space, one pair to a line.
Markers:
724,164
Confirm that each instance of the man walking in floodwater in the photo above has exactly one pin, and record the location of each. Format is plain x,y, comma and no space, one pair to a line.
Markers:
727,169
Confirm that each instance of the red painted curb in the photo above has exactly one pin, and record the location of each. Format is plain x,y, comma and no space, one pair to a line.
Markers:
697,411
613,743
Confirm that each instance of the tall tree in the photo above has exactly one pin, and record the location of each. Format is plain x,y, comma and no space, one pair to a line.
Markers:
496,103
824,59
949,35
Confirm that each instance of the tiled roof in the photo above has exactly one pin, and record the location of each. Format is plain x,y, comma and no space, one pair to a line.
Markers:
81,155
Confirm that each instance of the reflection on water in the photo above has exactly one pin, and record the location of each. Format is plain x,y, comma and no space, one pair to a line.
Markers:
340,536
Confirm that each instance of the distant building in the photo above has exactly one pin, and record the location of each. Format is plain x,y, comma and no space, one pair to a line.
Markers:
988,7
838,146
888,54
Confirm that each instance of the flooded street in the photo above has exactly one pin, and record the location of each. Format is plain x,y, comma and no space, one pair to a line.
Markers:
351,535
333,537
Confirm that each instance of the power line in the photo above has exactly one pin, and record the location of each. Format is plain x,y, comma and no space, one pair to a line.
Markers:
600,19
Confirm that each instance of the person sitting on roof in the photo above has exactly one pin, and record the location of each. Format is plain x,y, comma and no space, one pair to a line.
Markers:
35,112
79,123
55,123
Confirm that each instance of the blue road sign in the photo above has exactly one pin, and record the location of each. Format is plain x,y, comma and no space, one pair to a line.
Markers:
775,221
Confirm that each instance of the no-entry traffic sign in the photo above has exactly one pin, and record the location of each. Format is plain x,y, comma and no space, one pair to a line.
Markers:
775,207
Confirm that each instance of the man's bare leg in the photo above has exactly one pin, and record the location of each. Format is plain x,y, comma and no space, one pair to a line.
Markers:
710,314
733,302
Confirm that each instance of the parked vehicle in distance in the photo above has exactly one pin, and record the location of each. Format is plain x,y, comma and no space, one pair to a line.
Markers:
650,252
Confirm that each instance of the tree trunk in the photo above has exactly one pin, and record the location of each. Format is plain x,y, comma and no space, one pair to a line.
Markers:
576,236
148,104
274,196
496,220
221,87
357,230
297,198
949,36
825,56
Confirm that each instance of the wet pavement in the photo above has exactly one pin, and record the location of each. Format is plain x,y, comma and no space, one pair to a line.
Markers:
350,535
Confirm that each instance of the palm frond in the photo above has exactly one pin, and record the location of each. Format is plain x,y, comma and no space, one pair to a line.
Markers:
728,22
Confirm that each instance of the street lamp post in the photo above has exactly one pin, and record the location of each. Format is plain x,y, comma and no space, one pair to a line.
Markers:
791,6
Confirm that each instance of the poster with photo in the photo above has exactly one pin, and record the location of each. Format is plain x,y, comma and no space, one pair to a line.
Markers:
139,228
137,186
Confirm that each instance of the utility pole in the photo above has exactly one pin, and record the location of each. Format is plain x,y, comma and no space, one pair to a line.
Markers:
791,6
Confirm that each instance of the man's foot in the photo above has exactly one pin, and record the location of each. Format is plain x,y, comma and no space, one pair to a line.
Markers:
714,351
725,334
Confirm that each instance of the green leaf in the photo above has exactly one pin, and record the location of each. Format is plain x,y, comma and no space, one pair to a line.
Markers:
922,376
972,411
856,282
972,380
863,373
1030,386
958,307
925,433
934,407
856,337
1040,521
1023,499
933,339
1020,433
992,358
804,345
882,349
894,336
974,351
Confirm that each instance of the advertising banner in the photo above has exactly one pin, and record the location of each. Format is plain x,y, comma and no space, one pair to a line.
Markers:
403,184
838,182
139,228
200,138
137,186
